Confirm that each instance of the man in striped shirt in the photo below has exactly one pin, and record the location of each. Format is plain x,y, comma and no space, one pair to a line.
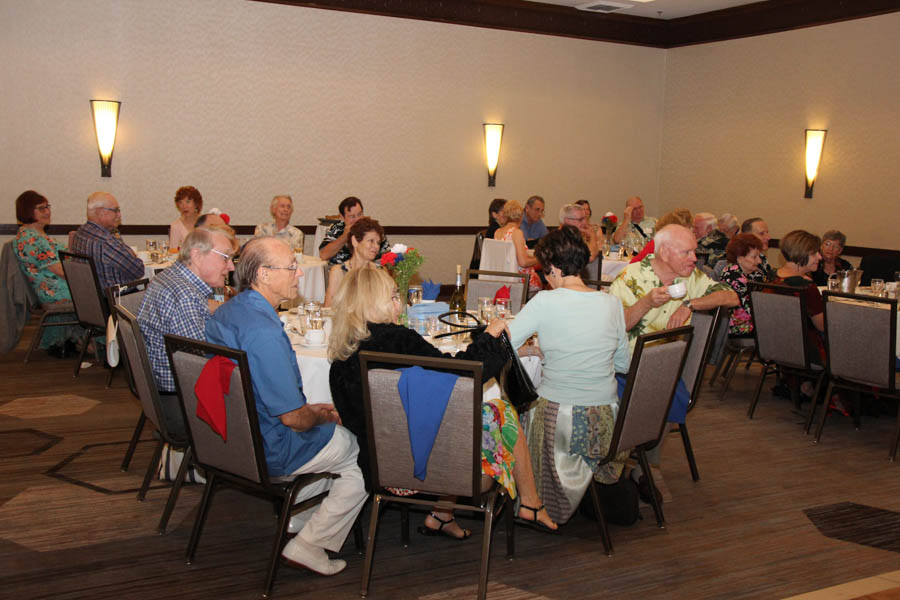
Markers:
115,262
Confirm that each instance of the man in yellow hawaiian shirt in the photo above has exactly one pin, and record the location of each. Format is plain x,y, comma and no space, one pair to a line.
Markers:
643,286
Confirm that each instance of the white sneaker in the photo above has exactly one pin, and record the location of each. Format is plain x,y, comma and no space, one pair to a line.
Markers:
298,553
295,525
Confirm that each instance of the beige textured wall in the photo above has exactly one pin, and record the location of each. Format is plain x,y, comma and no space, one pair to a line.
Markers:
735,113
245,100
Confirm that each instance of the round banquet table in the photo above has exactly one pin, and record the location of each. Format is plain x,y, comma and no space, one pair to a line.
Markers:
611,267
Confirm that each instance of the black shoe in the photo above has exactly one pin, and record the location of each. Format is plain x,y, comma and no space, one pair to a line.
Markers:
57,351
644,491
781,391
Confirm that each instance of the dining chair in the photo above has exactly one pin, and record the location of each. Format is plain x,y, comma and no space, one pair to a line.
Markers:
454,466
594,269
733,351
87,297
704,324
780,326
475,262
498,255
656,366
486,283
597,284
861,350
239,463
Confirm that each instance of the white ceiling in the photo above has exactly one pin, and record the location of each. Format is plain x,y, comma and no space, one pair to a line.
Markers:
669,9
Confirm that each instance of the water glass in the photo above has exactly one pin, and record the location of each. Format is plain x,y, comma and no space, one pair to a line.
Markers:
502,305
488,313
151,245
164,250
878,287
834,283
414,295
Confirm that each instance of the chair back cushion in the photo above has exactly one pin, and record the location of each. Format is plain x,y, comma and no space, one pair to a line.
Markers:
237,456
778,323
498,255
488,283
85,289
451,462
695,362
653,376
139,365
858,338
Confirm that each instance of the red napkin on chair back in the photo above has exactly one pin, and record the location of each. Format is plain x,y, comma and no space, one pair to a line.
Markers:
212,385
502,293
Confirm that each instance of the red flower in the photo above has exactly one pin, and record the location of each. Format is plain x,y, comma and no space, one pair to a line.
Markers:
389,258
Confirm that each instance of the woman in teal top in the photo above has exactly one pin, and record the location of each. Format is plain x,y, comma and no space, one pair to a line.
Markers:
39,261
581,333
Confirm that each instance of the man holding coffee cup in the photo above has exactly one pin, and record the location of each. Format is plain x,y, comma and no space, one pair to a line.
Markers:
661,291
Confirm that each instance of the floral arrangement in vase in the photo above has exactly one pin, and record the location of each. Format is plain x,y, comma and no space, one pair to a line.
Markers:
608,222
402,262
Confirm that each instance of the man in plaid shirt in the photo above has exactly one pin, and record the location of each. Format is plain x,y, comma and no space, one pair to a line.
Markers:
115,262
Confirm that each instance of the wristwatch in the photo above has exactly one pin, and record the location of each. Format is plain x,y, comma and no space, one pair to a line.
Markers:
687,303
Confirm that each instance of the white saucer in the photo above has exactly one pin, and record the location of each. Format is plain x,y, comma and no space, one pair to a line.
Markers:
313,346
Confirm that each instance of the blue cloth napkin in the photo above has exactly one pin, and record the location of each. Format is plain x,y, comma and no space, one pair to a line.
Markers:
678,410
430,290
424,395
423,311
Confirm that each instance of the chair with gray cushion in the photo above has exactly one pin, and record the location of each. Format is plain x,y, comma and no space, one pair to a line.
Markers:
656,367
161,410
240,462
704,323
88,298
780,325
861,342
486,283
454,467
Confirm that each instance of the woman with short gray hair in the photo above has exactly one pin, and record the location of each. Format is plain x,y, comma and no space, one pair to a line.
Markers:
832,245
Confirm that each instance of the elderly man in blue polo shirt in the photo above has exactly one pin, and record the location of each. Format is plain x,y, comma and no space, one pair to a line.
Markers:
297,437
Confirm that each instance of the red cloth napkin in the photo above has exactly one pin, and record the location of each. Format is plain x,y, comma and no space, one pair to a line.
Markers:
502,293
212,385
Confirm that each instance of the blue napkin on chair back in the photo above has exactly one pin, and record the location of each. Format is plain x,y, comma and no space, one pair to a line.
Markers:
424,395
430,290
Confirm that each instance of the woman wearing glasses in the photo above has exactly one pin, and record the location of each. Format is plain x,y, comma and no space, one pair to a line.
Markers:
367,307
832,245
38,259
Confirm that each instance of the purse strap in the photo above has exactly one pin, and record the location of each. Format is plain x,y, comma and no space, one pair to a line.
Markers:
461,328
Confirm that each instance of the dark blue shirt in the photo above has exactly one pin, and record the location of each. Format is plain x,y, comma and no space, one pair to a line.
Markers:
248,322
533,231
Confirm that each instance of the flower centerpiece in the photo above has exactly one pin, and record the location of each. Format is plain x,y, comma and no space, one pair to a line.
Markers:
608,222
402,263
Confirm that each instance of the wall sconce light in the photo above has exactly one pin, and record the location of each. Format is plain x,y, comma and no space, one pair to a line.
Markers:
106,120
815,141
493,134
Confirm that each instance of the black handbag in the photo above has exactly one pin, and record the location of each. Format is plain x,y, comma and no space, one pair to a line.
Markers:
514,380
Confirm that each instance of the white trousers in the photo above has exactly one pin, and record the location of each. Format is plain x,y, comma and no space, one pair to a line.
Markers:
328,523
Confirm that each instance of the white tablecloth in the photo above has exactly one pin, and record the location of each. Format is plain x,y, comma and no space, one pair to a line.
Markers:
612,267
152,268
312,282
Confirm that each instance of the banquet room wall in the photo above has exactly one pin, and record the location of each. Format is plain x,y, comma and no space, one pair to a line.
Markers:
733,126
245,100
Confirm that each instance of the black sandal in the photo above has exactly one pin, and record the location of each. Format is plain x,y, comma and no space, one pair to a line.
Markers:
533,523
426,530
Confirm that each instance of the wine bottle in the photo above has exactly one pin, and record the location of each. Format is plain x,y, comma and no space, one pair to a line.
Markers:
458,297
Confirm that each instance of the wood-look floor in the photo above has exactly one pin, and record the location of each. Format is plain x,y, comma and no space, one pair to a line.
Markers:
70,526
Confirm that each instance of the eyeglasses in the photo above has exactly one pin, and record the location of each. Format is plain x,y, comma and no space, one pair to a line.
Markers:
42,207
293,267
227,257
831,244
116,210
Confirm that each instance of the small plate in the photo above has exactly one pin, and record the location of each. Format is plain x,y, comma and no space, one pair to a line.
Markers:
313,346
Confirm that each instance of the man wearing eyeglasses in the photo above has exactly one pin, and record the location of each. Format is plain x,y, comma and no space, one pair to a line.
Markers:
114,260
177,299
575,215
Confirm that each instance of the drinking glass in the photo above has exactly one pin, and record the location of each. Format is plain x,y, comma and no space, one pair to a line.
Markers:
878,287
484,301
164,250
414,295
834,283
488,313
151,245
502,305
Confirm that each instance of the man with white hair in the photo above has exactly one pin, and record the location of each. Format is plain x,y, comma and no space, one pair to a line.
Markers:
98,238
649,307
729,225
711,242
575,215
634,221
298,437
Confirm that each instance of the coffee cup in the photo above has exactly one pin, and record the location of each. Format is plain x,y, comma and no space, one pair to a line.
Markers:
315,337
677,290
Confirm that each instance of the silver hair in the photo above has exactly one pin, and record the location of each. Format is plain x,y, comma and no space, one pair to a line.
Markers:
530,202
705,218
728,222
254,255
275,201
665,236
567,210
96,200
201,238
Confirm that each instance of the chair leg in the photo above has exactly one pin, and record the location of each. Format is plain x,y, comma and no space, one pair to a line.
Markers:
814,402
486,547
200,521
601,520
726,356
151,469
109,378
892,451
176,488
657,509
824,411
36,338
404,525
359,538
135,438
84,343
370,546
732,368
689,451
762,379
284,516
510,507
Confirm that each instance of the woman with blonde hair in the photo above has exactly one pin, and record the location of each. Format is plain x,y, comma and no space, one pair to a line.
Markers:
367,306
511,232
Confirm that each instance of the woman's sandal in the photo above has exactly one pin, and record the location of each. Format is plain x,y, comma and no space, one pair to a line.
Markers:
426,530
533,523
